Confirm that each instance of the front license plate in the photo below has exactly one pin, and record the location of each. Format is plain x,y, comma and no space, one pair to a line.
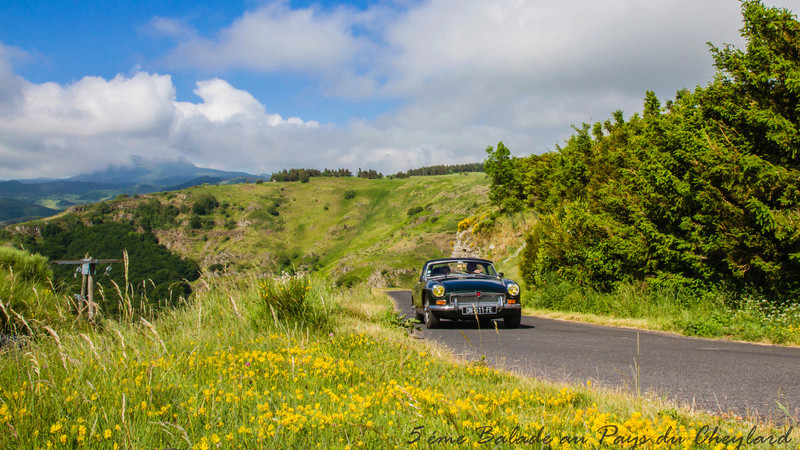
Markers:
472,310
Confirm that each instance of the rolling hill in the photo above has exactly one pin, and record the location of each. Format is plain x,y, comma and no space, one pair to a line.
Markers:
351,229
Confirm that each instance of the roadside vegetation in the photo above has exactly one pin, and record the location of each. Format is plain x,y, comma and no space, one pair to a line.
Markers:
294,362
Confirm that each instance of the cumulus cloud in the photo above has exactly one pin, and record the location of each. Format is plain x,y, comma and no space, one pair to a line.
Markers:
93,106
272,37
58,131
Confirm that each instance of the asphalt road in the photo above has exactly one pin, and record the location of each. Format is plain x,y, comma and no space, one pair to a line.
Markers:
748,380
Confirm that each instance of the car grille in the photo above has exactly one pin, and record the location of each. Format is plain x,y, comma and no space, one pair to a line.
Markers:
471,298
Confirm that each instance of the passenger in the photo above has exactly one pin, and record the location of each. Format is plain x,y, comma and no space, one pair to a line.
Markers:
474,268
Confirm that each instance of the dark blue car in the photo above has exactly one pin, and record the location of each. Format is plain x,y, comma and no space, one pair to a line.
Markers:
465,289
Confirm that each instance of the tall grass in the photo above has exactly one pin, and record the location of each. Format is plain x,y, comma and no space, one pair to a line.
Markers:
27,300
223,372
27,267
289,298
706,314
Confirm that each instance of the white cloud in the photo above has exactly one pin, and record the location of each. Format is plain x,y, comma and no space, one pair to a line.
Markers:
519,70
58,131
273,37
93,106
553,45
166,27
221,101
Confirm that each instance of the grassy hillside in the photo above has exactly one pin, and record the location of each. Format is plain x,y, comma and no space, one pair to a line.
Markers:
351,229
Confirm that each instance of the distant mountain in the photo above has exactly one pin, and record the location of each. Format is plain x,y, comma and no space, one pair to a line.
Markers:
14,210
141,177
161,174
14,188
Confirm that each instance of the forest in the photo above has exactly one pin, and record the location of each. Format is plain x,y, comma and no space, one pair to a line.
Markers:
696,193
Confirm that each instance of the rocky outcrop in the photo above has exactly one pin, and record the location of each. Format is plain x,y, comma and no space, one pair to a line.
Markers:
465,246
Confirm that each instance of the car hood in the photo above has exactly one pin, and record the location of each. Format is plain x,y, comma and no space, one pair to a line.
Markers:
474,284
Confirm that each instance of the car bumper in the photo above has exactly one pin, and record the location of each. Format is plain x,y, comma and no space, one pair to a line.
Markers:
458,312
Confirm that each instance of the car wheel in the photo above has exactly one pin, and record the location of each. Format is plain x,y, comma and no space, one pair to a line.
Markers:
513,320
431,321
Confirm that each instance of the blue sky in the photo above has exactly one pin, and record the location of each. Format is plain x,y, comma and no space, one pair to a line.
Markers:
72,39
390,85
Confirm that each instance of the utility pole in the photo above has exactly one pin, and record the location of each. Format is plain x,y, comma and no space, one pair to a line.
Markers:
88,271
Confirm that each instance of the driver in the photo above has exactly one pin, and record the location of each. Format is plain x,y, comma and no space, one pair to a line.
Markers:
473,267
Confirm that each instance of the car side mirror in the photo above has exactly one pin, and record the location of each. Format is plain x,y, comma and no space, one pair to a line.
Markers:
500,274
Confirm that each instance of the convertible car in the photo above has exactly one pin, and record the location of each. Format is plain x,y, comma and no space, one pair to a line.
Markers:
465,289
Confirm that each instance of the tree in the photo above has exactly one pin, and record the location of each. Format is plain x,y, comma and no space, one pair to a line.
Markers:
505,189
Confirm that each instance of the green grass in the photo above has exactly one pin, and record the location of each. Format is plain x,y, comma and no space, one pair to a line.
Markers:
710,315
253,361
27,300
220,372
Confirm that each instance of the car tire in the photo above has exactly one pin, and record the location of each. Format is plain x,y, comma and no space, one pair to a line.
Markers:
513,320
431,321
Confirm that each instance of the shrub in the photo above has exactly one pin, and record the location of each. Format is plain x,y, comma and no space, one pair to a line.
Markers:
24,265
157,276
286,298
27,302
195,222
348,194
205,204
414,211
348,280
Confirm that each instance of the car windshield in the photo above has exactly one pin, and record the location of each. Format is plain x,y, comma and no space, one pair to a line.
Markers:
461,268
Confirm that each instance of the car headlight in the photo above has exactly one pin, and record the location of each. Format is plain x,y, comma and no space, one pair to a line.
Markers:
437,290
513,289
